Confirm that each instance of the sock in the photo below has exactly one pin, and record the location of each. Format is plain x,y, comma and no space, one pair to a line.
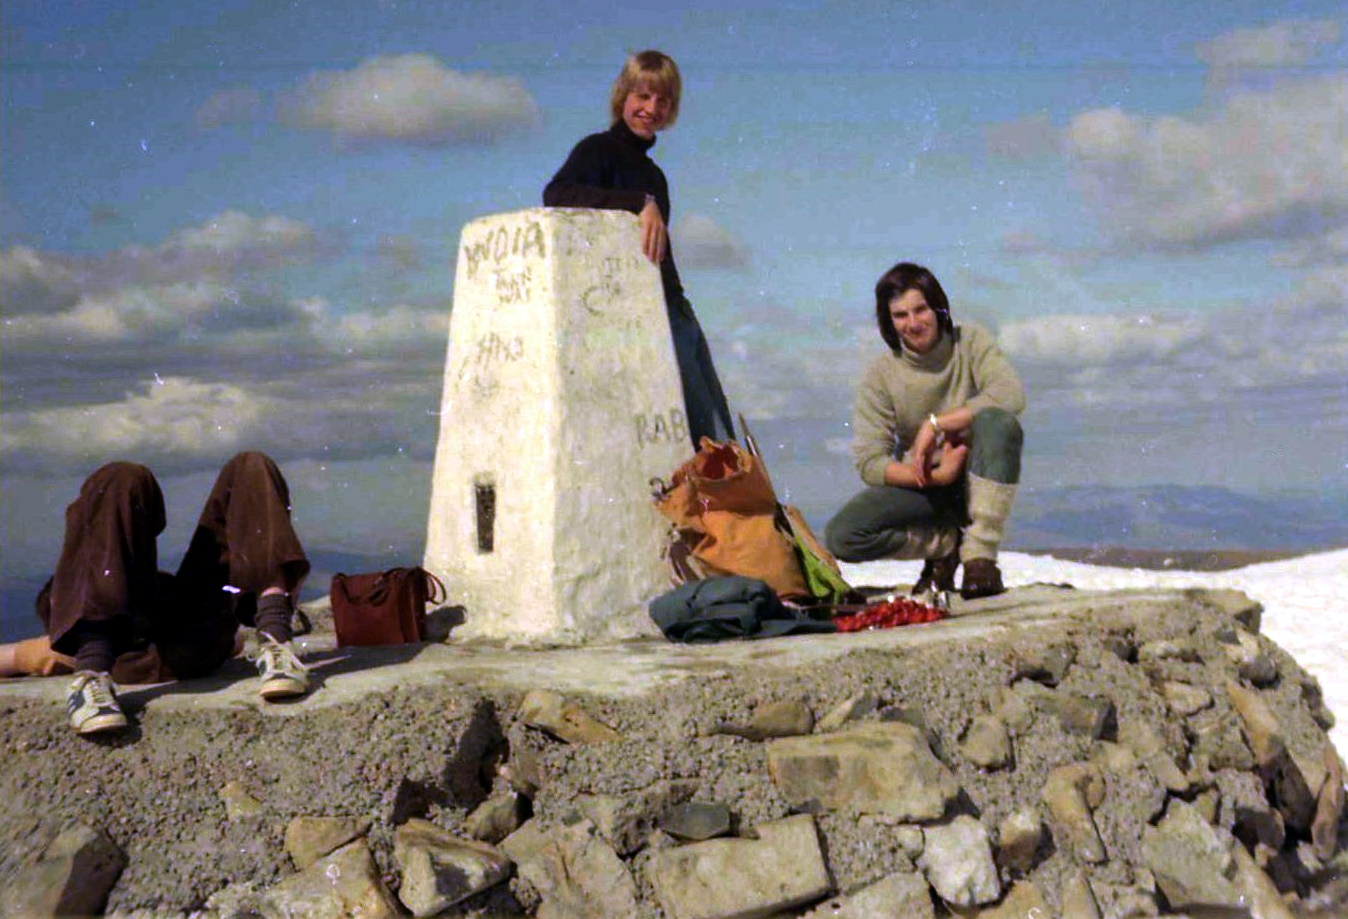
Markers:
273,616
96,650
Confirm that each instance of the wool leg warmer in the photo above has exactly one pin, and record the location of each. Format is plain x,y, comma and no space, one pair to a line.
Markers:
274,614
989,507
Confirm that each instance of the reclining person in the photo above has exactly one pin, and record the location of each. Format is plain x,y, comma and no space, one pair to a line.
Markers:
116,618
936,441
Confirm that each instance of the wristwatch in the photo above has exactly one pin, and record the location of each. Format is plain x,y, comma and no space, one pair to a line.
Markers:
936,426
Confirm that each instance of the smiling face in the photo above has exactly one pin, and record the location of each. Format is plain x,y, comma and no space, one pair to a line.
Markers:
646,111
916,322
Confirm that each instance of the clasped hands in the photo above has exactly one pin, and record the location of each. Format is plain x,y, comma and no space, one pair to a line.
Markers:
928,467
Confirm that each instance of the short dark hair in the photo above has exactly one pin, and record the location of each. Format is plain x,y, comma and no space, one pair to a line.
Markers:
906,276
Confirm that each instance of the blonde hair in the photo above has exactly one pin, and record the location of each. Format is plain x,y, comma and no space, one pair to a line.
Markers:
653,69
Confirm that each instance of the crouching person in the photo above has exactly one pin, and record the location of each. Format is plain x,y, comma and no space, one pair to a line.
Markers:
936,441
118,619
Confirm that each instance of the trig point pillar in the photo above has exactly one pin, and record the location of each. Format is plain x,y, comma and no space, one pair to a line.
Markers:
561,401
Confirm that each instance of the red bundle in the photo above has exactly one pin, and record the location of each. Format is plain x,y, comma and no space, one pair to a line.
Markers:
887,615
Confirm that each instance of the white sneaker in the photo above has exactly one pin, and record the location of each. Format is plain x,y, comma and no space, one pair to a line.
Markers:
283,676
92,704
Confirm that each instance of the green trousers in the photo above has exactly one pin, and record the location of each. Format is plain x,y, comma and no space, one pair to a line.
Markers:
875,523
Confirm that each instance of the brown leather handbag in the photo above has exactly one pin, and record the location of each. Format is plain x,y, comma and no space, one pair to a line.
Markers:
384,607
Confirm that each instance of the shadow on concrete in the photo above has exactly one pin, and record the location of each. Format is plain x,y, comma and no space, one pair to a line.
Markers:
322,665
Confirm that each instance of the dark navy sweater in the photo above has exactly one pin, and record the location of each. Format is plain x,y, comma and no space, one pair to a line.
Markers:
612,170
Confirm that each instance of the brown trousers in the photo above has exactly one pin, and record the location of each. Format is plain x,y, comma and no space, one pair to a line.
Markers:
171,626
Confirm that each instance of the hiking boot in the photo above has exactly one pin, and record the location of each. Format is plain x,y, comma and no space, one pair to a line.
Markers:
938,574
283,676
982,578
92,704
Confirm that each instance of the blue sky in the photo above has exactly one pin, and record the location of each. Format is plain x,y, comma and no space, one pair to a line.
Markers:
233,224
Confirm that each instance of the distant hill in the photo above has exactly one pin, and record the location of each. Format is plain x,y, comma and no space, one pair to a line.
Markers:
1174,517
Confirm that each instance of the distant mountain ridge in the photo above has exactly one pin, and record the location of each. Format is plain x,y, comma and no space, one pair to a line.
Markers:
1177,517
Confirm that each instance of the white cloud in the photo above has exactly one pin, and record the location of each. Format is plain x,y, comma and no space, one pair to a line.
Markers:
398,325
31,282
1268,164
141,315
43,287
1099,341
411,98
1290,43
700,242
235,235
1295,349
174,415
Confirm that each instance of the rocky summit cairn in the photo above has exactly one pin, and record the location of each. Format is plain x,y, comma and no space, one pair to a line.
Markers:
1024,759
561,402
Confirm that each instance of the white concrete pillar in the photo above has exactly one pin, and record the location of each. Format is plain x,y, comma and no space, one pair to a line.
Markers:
561,401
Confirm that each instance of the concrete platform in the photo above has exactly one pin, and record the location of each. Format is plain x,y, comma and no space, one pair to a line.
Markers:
633,668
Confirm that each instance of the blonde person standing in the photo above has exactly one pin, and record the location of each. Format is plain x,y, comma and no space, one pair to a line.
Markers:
936,441
613,170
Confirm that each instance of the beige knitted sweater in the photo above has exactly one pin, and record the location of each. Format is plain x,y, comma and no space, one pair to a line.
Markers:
900,389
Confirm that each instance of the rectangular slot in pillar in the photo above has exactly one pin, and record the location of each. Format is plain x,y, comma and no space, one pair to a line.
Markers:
484,506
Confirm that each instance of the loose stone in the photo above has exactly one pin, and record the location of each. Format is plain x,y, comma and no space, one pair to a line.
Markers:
495,818
957,861
870,769
440,870
1190,859
343,883
987,744
853,708
575,870
1019,837
1185,699
773,719
1071,793
626,820
1023,900
696,821
308,839
898,896
1078,900
72,877
1328,808
1262,730
551,712
1047,665
723,878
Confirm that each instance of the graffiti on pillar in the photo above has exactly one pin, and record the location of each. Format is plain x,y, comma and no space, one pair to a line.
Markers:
492,351
661,427
609,289
495,246
598,296
513,286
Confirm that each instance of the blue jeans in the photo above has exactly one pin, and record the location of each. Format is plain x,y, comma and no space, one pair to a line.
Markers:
704,401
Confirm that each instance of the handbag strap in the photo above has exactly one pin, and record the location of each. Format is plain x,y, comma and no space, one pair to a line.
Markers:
433,587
